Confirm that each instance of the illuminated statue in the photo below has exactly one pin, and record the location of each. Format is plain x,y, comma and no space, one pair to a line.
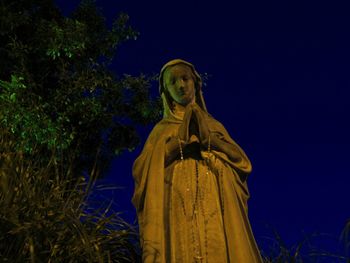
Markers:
190,181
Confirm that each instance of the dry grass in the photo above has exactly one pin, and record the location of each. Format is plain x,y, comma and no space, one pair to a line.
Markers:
305,251
45,216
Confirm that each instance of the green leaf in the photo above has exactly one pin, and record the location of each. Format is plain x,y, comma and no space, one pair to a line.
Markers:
13,97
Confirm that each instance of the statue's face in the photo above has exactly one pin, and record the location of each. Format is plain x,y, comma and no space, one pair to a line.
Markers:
179,82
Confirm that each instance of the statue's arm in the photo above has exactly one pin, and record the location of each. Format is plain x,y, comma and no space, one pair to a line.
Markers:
220,141
172,150
233,151
235,155
179,138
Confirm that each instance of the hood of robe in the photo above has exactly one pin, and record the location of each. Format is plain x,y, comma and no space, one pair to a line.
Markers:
168,113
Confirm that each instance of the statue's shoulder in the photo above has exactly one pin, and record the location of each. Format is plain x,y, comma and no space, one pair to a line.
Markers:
214,124
161,130
217,127
157,130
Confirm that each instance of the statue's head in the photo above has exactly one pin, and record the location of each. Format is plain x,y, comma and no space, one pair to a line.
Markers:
180,82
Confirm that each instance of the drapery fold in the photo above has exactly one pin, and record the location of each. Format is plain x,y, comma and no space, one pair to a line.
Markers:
149,175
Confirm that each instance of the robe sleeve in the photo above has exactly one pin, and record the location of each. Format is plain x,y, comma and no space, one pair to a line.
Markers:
148,198
172,150
143,165
139,172
228,150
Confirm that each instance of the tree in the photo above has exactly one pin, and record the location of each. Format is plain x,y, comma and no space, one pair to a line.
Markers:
64,112
56,90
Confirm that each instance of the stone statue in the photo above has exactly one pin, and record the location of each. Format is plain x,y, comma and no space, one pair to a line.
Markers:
191,181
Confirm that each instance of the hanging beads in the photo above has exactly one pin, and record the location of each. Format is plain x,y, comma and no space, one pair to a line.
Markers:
180,146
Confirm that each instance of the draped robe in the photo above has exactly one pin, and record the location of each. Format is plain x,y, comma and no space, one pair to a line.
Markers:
195,209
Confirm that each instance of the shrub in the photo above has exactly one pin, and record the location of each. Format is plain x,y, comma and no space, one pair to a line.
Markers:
46,215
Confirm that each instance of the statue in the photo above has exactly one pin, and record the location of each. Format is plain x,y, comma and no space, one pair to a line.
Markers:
191,181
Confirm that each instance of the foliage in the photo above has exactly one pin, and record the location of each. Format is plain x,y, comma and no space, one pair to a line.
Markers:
304,251
57,91
45,216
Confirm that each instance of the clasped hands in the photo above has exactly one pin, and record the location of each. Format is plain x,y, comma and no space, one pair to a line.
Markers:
194,127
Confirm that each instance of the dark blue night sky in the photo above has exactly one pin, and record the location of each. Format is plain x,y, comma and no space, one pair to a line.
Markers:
279,82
